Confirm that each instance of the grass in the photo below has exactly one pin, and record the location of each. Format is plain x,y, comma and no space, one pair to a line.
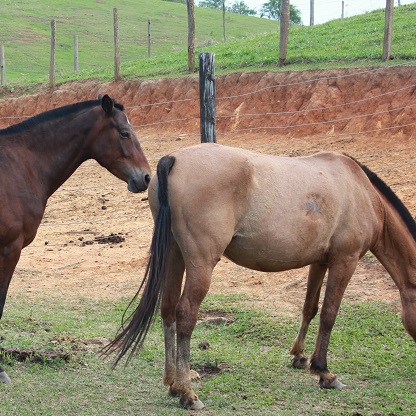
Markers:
26,34
245,370
252,43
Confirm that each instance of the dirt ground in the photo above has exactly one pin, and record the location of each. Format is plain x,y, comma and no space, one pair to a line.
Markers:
351,110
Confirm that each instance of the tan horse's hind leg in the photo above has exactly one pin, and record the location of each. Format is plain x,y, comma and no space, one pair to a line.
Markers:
198,280
339,275
170,298
309,311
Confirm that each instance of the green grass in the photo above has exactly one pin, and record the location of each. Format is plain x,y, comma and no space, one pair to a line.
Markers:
26,32
252,43
370,352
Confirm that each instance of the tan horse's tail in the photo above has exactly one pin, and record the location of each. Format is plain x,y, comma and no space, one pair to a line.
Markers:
134,328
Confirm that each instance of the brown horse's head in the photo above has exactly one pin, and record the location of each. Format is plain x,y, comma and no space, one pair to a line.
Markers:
115,146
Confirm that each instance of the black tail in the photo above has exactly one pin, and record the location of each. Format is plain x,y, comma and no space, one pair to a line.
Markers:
134,329
391,197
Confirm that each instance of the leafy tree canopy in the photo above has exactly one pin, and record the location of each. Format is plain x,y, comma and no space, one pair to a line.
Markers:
239,7
210,4
271,10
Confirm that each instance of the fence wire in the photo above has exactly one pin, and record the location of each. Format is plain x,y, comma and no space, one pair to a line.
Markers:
333,137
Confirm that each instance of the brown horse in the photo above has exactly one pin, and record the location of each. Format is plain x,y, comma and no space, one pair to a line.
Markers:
41,153
269,214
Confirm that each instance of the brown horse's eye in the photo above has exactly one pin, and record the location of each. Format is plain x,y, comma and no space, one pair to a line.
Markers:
125,134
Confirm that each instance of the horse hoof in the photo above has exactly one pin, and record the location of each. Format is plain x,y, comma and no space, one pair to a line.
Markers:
4,378
191,405
332,383
338,385
173,393
300,363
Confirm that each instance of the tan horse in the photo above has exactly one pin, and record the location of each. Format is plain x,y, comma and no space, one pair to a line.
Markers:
269,214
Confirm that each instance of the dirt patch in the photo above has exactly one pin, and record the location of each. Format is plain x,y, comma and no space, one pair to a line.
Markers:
293,121
34,356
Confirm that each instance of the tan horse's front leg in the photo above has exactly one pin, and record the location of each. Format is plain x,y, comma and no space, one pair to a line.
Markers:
338,278
309,311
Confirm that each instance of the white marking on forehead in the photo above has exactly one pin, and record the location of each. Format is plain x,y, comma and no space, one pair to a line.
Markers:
128,121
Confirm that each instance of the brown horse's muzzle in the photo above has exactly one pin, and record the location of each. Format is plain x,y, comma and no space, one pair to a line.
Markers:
138,183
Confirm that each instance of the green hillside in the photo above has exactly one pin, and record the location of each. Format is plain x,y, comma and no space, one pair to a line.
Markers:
25,29
252,43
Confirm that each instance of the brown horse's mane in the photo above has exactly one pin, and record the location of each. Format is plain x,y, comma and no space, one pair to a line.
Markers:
390,196
53,115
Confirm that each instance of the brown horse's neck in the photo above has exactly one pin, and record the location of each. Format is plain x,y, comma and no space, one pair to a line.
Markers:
58,149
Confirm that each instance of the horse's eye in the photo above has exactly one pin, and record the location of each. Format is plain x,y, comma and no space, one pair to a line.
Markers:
125,134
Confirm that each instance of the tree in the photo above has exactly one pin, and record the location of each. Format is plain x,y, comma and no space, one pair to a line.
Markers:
241,8
271,10
211,4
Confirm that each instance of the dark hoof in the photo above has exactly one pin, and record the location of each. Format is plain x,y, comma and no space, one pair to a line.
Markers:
300,363
191,405
173,392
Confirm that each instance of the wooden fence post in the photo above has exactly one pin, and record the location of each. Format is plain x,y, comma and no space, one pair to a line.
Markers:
53,51
388,29
2,65
191,36
284,30
207,97
312,13
223,21
116,48
149,40
76,53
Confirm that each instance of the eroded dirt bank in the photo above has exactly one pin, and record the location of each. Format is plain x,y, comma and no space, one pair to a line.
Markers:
59,263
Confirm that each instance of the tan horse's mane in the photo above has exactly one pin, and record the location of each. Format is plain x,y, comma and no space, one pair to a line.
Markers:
390,196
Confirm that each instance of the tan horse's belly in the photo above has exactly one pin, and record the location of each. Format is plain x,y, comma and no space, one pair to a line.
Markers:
274,254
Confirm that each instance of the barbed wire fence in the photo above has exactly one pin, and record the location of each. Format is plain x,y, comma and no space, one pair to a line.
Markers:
269,147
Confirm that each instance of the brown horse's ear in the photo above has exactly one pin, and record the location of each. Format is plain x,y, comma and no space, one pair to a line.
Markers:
107,104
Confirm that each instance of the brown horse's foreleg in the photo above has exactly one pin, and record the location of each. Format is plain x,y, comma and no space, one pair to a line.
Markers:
309,311
9,257
170,298
198,279
339,276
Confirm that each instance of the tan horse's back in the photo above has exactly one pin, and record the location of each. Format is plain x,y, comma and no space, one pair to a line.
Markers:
271,213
